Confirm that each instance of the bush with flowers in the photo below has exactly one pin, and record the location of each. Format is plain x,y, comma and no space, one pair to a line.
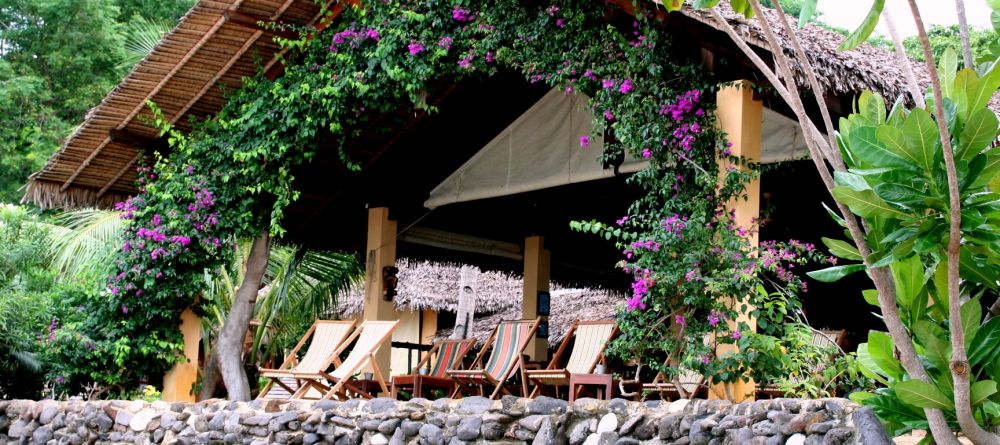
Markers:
232,177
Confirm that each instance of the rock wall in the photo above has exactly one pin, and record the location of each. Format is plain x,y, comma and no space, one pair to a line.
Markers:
541,421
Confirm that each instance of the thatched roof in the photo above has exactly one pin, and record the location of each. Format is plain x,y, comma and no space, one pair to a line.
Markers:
434,286
215,46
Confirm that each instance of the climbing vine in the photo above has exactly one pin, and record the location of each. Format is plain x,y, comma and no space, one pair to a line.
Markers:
233,176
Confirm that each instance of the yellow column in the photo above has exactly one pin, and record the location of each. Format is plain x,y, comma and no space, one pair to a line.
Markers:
740,116
380,253
179,381
536,279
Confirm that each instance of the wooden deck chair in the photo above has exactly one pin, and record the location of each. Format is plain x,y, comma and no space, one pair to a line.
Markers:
327,338
508,342
370,336
591,338
692,384
448,354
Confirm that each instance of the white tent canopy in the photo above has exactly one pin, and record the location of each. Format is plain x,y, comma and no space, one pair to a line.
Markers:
541,149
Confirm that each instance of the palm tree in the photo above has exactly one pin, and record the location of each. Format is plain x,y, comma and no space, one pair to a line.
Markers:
141,36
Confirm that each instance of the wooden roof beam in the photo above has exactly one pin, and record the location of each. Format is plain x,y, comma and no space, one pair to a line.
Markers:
260,23
139,141
118,175
156,89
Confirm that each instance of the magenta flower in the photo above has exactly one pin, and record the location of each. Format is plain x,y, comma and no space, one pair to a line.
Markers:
560,23
415,48
609,116
462,15
372,33
585,141
465,63
646,153
705,359
736,335
445,42
713,318
679,319
635,303
626,87
607,83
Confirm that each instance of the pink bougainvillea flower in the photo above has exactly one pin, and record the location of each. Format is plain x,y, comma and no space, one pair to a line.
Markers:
585,141
415,48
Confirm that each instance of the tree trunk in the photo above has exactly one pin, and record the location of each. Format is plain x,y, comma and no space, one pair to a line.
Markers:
960,367
963,32
227,355
468,284
911,79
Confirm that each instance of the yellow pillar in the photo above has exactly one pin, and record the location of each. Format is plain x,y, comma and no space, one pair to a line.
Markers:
740,116
380,253
179,381
536,279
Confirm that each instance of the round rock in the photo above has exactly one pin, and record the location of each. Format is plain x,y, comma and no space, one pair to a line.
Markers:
607,424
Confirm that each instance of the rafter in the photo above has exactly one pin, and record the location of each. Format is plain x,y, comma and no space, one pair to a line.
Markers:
118,175
135,111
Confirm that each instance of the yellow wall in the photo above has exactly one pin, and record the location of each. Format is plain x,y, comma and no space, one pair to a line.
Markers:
408,331
178,382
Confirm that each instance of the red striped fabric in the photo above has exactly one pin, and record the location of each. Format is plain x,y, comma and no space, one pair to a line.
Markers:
445,356
510,338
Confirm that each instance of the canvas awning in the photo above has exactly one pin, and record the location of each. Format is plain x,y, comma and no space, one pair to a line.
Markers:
541,149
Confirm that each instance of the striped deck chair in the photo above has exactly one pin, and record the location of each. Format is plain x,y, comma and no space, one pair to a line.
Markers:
327,338
690,383
508,341
591,338
367,339
448,354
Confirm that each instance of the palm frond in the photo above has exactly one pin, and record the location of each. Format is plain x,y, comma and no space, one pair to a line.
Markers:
84,242
142,36
27,360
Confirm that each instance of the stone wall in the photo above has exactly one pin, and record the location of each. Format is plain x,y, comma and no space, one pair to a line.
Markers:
542,421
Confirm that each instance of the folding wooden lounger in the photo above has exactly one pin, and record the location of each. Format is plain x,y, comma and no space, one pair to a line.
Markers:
508,341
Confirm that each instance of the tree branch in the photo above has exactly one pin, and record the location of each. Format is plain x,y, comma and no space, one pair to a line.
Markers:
960,367
911,79
963,32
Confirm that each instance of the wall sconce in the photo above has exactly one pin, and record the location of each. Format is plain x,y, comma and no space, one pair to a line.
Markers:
389,282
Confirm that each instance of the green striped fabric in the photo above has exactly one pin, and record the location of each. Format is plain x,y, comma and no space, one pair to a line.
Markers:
446,356
510,338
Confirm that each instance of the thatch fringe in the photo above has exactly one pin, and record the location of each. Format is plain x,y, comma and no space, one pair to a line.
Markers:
47,195
425,285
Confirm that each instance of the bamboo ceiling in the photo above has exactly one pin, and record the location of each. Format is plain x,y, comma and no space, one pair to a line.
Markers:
216,44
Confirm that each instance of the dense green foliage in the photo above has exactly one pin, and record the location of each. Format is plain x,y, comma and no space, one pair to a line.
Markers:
947,37
897,184
58,58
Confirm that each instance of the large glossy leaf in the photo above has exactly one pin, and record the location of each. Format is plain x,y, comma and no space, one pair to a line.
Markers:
842,249
866,147
900,194
981,390
836,218
673,5
882,351
808,9
865,203
868,365
872,106
947,69
979,132
892,139
909,277
986,342
835,273
984,89
742,7
973,270
990,171
865,29
971,313
929,336
705,4
922,394
870,296
921,136
854,181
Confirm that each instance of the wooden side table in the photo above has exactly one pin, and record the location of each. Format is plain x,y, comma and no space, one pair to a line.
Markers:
603,383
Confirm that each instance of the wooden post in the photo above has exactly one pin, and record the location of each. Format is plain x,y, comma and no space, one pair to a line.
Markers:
741,117
468,283
380,253
178,383
536,279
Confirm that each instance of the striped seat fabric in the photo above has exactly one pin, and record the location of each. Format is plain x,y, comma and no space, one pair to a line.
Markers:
327,337
370,336
448,352
508,342
590,338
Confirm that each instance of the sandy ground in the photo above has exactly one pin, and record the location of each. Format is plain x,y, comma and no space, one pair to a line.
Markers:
913,438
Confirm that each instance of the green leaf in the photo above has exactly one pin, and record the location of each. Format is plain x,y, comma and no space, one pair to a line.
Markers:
868,365
928,335
947,69
985,344
854,181
835,273
742,7
922,394
980,96
842,249
980,131
872,106
865,29
882,351
893,140
870,296
921,136
808,9
909,277
836,218
705,4
971,314
981,390
865,203
673,5
971,269
865,145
